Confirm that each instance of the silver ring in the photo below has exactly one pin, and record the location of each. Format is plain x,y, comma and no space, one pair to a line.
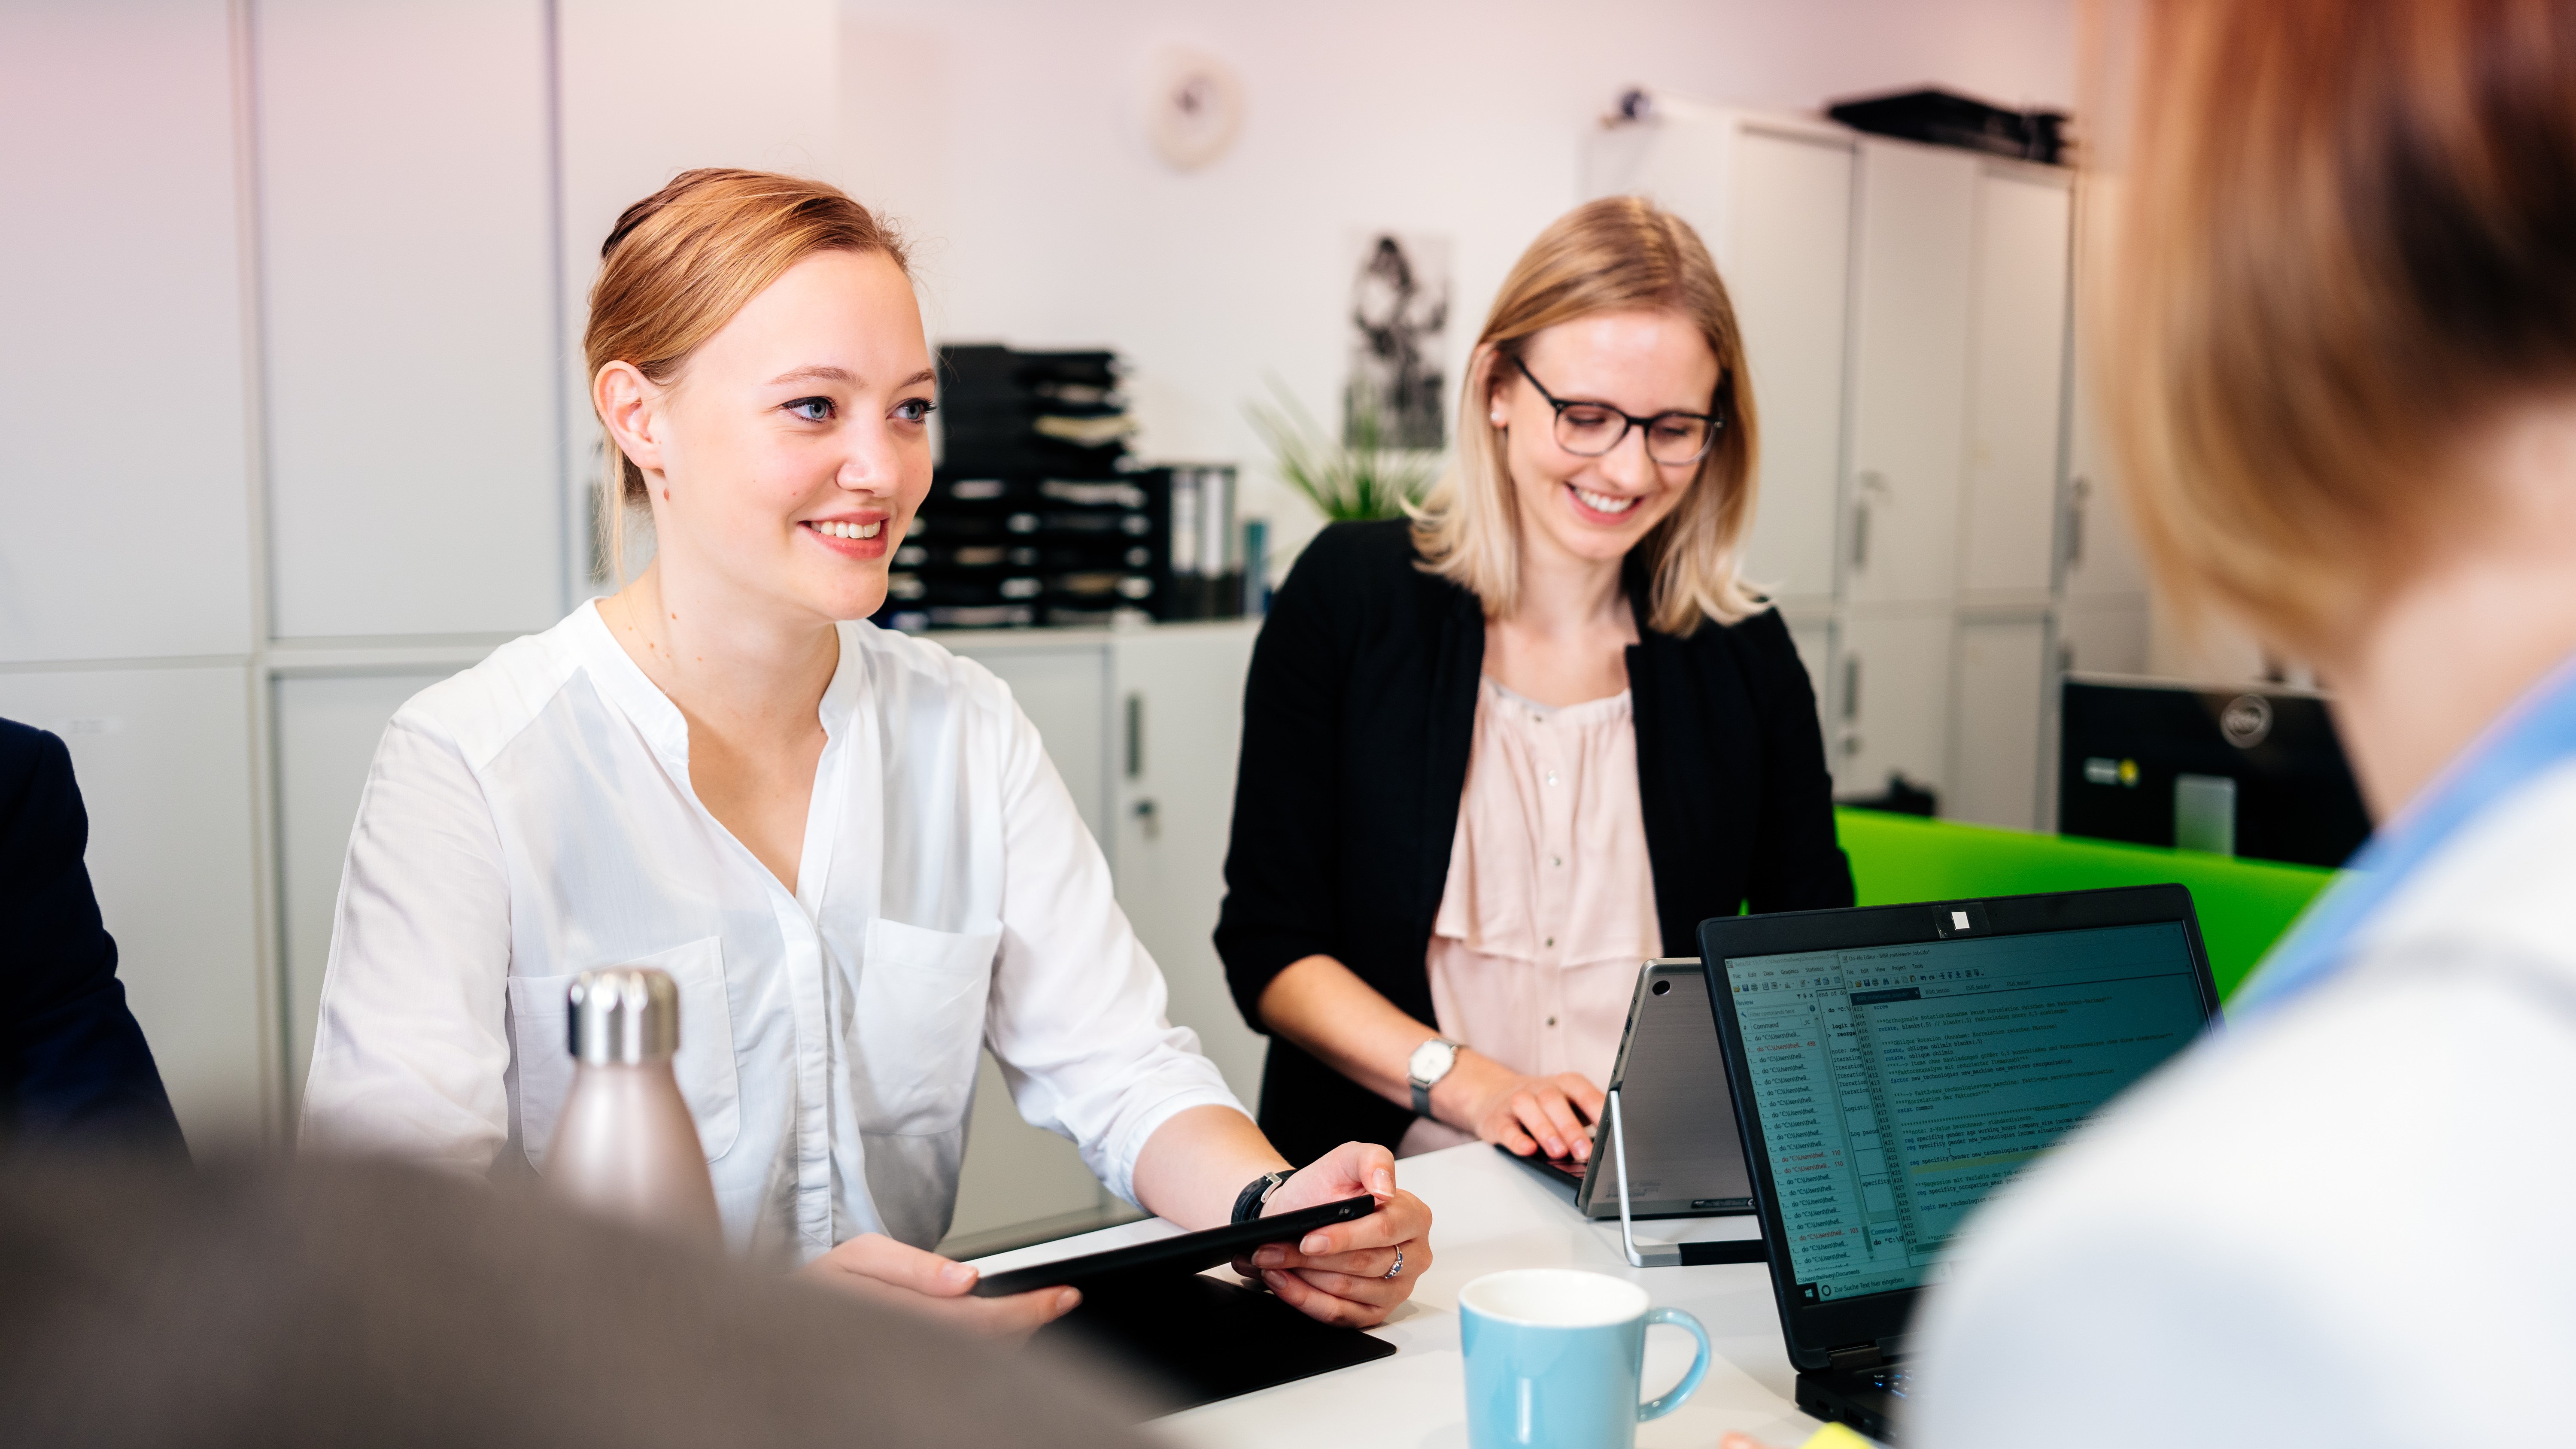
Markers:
1399,1264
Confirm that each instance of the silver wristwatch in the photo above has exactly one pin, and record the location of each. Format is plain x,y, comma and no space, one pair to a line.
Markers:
1429,1063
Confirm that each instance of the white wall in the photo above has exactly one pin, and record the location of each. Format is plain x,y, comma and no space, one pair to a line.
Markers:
1006,135
124,488
407,284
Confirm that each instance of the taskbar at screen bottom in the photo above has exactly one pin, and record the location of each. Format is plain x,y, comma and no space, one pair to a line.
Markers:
1861,1285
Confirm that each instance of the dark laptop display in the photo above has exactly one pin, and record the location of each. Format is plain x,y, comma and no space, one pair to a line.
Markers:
1893,1066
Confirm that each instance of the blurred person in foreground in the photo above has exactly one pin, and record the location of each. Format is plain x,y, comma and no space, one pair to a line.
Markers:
370,1305
2342,368
74,1066
847,847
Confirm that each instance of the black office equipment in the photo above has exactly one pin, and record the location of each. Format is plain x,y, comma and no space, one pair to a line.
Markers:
1037,515
1945,118
1186,1253
1892,1066
2252,772
1901,797
1188,1339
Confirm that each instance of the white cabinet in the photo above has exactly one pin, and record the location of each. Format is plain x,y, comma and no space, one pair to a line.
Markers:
162,756
1909,376
2100,551
1179,697
1786,266
1935,283
2103,637
124,455
1771,197
410,310
1891,680
2017,385
2000,712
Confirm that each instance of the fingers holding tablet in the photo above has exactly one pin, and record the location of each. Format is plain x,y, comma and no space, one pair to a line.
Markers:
1353,1272
876,1266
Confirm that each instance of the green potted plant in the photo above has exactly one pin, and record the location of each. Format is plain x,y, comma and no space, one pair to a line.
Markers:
1354,478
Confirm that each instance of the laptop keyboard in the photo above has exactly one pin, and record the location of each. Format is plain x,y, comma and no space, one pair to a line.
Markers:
1891,1379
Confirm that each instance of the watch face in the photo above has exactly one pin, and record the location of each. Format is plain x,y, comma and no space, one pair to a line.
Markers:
1431,1061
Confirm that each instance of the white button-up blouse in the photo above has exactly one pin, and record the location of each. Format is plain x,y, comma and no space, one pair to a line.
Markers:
532,818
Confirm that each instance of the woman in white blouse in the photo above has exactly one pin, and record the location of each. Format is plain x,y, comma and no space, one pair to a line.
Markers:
848,848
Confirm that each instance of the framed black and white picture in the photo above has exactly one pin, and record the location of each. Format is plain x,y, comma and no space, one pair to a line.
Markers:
1399,321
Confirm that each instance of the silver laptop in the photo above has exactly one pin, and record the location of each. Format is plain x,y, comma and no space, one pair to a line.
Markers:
1685,1157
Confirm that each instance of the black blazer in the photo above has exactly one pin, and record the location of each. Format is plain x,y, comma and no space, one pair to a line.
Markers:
73,1061
1358,719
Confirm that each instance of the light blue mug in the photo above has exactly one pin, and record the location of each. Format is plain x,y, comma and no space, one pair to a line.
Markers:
1554,1357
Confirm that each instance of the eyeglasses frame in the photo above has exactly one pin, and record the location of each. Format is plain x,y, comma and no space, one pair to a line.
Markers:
1629,422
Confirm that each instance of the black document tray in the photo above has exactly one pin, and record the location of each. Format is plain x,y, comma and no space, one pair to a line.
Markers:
1187,1339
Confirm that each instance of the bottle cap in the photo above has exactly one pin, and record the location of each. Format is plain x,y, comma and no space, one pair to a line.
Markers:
624,1016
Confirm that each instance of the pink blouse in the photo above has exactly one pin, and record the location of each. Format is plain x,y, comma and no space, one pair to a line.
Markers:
1550,903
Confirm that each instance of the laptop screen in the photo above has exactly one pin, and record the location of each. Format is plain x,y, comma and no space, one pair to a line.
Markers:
1896,1086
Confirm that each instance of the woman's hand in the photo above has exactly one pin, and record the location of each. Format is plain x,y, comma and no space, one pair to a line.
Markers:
1354,1272
876,1266
1519,1114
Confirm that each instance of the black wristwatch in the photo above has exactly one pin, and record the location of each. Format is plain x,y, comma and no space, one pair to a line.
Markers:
1247,1203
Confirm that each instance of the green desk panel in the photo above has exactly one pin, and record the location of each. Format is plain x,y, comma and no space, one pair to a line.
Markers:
2244,905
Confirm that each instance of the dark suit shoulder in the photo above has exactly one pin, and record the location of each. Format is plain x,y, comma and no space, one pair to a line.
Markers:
1369,556
39,808
26,751
1365,579
1760,639
1764,635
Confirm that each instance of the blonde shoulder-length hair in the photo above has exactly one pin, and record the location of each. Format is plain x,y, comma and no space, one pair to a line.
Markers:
1617,254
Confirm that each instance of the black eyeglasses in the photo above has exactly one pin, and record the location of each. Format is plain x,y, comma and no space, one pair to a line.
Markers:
1590,429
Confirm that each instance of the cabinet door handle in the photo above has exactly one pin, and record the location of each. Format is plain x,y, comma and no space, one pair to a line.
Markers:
2079,494
1867,484
1851,688
1135,736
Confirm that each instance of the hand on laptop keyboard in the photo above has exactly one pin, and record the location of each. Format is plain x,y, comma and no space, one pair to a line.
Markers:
1521,1114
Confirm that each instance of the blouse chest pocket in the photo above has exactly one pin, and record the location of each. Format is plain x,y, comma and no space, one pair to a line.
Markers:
920,1020
704,1063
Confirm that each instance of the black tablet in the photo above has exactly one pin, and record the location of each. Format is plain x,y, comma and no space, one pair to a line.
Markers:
1188,1253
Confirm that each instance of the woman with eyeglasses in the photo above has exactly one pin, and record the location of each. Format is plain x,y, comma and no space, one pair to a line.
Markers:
1497,755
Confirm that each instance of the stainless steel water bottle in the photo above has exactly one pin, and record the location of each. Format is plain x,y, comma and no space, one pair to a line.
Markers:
624,1144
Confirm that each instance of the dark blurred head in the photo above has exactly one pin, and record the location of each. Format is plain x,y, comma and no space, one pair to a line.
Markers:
2349,249
370,1305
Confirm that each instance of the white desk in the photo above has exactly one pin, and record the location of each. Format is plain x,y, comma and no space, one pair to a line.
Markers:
1488,1215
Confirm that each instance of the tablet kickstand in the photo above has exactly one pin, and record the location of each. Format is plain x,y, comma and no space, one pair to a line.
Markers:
1675,1255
